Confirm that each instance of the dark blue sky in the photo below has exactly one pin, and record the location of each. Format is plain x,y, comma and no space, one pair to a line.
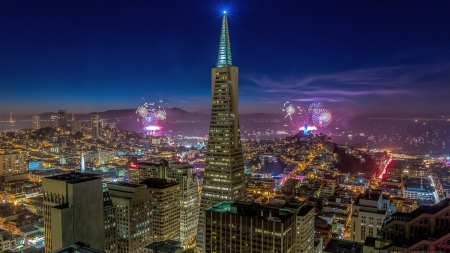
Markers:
353,56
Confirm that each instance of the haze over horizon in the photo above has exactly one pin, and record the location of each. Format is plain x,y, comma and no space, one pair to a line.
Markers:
354,57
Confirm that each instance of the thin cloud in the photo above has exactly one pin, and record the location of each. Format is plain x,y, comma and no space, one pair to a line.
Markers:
350,85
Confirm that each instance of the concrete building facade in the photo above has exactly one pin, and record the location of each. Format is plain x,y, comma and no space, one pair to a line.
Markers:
73,210
132,214
165,209
36,121
12,164
235,227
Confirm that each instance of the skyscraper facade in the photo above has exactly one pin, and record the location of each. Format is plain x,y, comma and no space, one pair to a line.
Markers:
110,221
235,227
132,212
36,120
165,209
224,167
62,119
183,174
73,210
54,119
76,125
95,128
12,164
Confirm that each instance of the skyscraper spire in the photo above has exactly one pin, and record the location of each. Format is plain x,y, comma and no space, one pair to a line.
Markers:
224,177
224,58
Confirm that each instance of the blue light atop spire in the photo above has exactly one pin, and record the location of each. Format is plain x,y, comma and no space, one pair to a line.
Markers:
224,58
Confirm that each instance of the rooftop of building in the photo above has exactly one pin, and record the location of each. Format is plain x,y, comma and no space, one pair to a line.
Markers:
166,246
78,247
76,177
371,195
158,183
370,241
251,209
342,246
305,210
423,209
126,184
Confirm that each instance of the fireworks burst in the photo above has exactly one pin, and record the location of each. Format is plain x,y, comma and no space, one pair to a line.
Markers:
315,115
321,117
150,117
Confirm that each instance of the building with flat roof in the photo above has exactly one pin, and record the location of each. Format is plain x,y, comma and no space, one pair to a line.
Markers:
167,246
95,126
304,226
249,227
78,247
36,121
110,221
183,174
73,210
165,209
368,214
12,164
132,213
426,229
62,119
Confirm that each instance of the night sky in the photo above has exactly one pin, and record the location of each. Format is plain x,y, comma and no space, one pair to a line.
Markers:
353,56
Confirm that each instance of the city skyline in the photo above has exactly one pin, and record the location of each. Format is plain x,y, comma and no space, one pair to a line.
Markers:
355,58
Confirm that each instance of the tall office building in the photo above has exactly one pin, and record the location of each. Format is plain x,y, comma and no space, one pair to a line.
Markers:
141,171
224,167
132,211
235,227
62,119
304,226
165,209
76,125
110,221
54,119
426,229
12,164
369,212
73,210
95,128
183,174
36,120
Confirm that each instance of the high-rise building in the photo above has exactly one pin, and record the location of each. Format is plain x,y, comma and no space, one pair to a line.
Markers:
76,125
235,227
224,167
165,209
12,164
54,121
36,120
141,171
183,174
304,226
62,119
368,214
132,211
189,199
426,229
73,210
95,130
110,221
